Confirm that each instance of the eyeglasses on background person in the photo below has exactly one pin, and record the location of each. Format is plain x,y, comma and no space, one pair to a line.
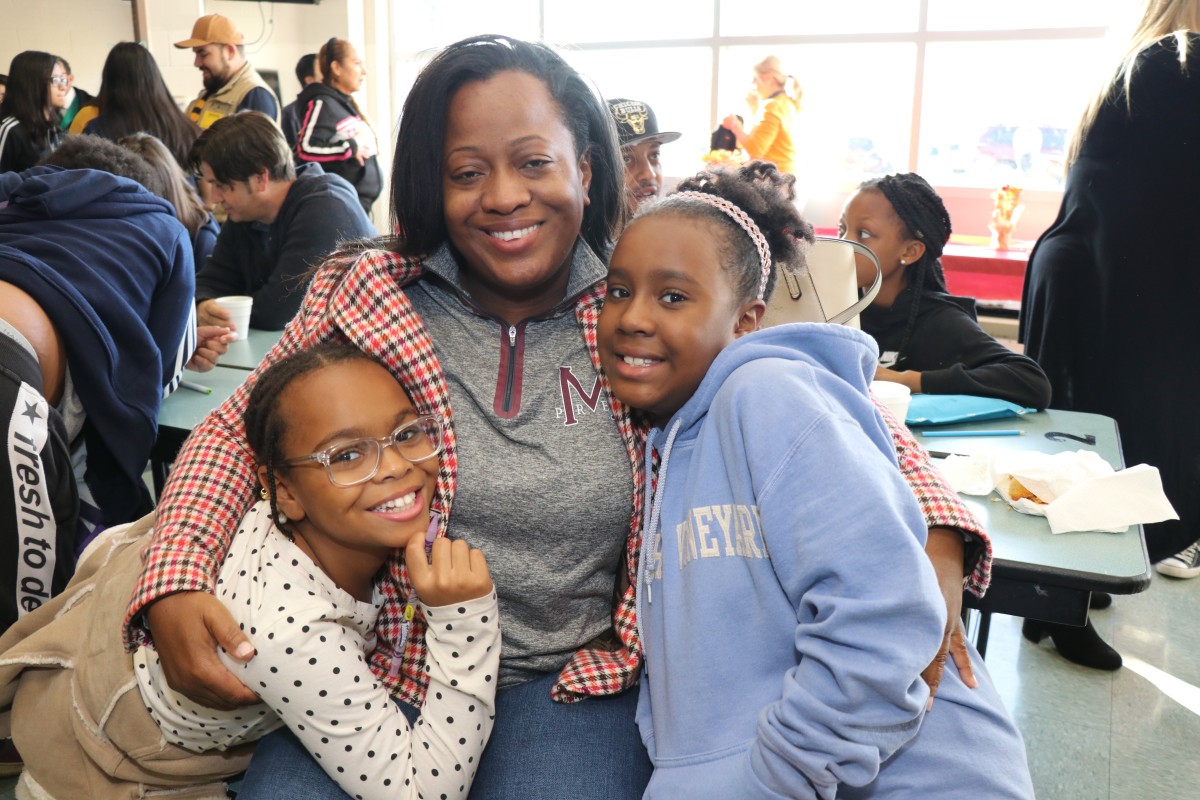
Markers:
357,460
59,80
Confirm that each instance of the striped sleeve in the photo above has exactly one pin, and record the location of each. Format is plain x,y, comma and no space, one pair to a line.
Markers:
187,346
7,126
316,142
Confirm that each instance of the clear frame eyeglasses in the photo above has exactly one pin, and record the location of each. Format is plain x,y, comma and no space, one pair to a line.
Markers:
356,461
59,80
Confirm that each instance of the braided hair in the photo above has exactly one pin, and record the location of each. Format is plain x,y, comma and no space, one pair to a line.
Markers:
768,197
925,219
265,427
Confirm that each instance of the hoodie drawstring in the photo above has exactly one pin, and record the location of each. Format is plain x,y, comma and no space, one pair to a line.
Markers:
649,547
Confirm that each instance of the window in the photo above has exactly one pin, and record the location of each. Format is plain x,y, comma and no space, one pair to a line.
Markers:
760,18
970,94
856,106
627,20
426,25
679,105
981,126
969,15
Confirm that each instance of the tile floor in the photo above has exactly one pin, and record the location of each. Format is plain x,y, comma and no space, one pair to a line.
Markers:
1129,735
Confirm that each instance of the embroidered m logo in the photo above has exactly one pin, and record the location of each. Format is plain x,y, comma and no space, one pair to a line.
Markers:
573,392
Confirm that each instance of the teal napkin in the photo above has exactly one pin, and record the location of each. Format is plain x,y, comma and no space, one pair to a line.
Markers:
943,409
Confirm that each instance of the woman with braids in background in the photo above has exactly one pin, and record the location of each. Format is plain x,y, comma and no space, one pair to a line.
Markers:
929,340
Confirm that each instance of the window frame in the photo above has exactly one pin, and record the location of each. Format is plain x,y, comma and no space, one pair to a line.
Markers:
1041,204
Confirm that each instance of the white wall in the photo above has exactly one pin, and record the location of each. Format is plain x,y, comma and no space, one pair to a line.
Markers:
81,31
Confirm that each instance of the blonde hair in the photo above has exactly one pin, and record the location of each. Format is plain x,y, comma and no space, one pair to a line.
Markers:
772,66
1161,19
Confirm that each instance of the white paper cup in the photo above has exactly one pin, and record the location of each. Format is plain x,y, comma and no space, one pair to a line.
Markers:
238,306
896,396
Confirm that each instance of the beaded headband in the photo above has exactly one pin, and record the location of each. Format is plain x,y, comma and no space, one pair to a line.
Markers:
745,223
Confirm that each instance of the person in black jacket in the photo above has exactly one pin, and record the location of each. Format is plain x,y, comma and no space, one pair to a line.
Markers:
333,131
289,118
929,340
282,221
1109,306
33,102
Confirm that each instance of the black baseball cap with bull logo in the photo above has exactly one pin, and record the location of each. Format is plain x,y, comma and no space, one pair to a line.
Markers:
636,122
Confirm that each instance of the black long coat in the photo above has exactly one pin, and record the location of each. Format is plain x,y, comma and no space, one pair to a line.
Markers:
1111,307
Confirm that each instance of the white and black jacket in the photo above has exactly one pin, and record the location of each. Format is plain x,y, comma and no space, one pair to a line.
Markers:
332,133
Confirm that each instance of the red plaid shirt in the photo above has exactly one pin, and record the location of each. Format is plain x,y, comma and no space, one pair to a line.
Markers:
361,300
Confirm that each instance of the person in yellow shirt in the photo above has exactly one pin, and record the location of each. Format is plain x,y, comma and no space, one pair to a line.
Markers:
775,101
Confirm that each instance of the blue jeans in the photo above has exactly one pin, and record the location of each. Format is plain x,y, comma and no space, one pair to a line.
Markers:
539,750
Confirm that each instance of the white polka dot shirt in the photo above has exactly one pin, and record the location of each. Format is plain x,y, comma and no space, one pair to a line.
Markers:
311,673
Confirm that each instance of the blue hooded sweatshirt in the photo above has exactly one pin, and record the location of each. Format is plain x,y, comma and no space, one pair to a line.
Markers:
112,267
786,605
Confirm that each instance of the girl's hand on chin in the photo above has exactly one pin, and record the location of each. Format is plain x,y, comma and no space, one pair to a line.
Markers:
453,572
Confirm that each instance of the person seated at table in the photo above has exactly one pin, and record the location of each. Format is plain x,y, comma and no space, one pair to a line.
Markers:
819,659
641,144
282,220
310,552
929,340
96,324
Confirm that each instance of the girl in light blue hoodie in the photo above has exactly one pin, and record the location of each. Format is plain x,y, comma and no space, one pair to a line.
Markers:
785,604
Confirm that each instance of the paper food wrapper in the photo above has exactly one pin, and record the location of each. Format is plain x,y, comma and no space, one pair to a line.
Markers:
1076,491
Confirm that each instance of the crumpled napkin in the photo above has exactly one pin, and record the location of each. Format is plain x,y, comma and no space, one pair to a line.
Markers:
1079,491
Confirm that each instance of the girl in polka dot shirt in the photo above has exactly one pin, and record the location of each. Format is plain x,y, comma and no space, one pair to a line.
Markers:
347,467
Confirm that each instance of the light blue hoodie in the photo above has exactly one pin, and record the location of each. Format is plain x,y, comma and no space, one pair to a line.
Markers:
787,607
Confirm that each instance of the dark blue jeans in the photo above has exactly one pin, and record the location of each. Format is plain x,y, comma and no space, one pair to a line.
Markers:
539,750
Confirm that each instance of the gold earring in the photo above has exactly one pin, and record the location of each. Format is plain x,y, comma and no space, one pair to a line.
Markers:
263,493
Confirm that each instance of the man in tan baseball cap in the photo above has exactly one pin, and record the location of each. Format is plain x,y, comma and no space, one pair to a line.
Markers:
230,83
